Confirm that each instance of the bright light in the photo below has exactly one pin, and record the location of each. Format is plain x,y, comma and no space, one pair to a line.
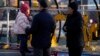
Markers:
49,0
93,48
96,25
22,2
91,21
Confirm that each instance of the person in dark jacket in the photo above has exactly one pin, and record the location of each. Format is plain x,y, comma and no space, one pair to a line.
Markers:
42,30
73,29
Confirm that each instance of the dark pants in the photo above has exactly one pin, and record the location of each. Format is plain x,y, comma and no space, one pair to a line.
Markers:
41,52
75,51
23,44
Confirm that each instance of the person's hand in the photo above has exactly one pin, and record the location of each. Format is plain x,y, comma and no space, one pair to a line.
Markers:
64,29
30,18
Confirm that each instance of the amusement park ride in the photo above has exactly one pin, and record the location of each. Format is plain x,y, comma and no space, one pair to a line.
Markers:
91,30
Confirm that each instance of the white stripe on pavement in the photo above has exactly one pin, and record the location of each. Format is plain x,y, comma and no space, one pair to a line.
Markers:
10,52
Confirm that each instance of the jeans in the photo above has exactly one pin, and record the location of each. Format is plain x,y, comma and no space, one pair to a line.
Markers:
23,43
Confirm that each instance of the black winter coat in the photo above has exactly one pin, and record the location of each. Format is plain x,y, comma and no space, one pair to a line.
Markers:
43,26
73,29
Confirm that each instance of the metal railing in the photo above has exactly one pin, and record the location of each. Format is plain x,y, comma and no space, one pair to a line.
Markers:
52,11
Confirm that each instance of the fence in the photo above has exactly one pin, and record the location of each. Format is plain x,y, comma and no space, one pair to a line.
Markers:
8,15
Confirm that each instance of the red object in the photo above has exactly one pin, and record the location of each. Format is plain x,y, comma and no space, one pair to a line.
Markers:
26,1
24,7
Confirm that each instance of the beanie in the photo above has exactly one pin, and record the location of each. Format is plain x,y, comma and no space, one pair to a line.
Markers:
24,7
43,3
73,5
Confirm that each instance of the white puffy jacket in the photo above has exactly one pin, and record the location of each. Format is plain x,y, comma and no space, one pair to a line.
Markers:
21,23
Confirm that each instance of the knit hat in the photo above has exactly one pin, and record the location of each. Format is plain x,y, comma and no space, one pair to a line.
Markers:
24,7
73,5
43,3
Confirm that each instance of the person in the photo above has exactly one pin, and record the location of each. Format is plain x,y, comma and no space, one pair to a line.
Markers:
20,26
42,30
73,28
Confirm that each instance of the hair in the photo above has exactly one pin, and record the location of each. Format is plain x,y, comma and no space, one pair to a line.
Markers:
43,3
73,5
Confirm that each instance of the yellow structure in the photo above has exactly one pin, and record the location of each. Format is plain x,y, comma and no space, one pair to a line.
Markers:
35,3
87,38
88,33
29,40
54,41
6,46
59,16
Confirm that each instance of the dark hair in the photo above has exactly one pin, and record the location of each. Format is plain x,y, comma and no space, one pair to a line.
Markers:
73,5
43,3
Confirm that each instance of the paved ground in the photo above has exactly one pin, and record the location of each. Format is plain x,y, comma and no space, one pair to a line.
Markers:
16,53
61,48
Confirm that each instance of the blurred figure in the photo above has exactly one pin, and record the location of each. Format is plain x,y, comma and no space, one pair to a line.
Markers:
73,28
43,27
1,3
21,24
